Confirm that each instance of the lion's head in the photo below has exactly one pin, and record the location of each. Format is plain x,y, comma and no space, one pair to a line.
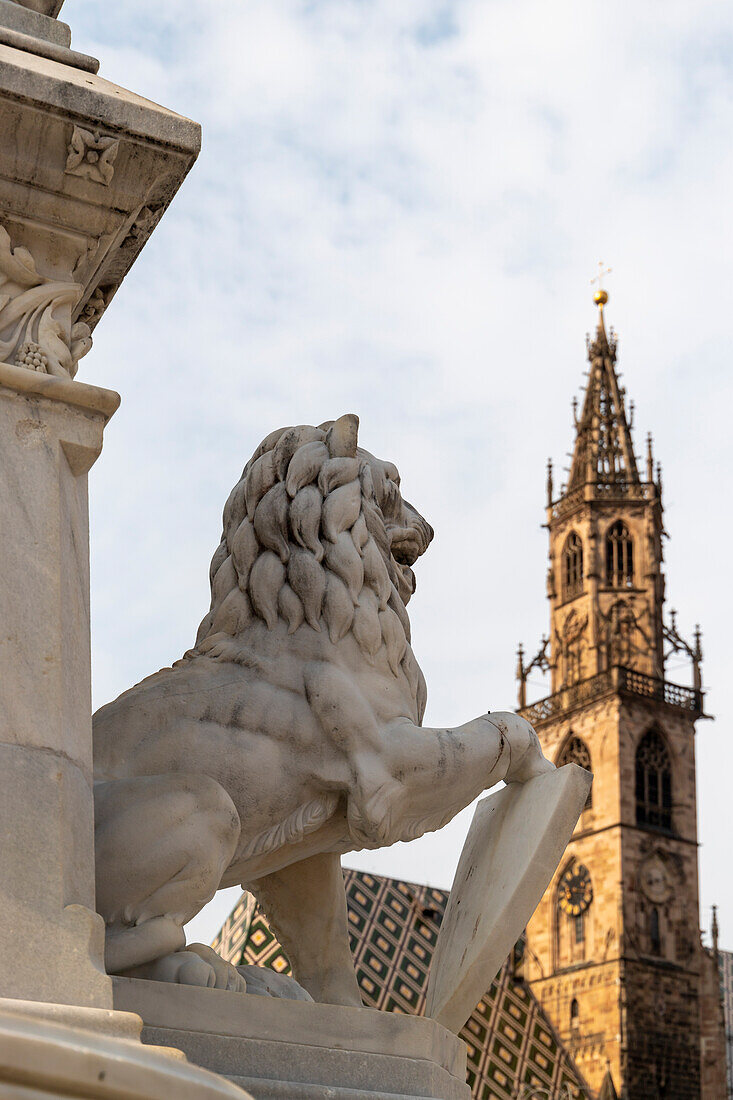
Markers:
317,535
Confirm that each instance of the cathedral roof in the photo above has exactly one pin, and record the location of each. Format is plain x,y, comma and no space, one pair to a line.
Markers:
513,1049
603,453
608,1089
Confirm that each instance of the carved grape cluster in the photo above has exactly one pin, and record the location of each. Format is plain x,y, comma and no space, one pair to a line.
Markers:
32,356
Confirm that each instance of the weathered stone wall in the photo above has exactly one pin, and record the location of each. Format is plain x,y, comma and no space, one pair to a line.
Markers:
558,969
662,1033
636,975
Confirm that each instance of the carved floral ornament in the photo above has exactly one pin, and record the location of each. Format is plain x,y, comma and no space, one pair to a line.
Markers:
92,156
36,331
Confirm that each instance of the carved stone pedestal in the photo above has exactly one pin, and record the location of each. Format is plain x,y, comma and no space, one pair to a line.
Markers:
293,1050
51,940
91,1054
86,171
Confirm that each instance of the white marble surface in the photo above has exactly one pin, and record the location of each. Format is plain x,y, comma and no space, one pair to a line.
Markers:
61,229
89,158
91,1054
51,939
50,8
291,733
297,1050
34,22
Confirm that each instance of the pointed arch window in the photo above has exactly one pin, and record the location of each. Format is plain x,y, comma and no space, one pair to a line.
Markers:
574,1013
653,782
619,556
577,752
655,937
572,566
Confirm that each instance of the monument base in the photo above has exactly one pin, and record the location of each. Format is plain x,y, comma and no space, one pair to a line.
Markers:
61,1051
293,1050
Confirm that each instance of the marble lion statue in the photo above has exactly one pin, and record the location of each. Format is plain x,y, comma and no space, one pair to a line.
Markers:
291,733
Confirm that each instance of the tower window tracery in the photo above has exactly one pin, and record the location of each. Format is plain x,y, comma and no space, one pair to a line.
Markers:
573,649
577,752
572,566
622,634
619,556
653,782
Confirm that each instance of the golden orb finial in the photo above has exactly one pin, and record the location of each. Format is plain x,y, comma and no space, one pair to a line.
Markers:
601,296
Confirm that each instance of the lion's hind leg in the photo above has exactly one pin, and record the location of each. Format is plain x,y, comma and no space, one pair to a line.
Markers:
305,904
162,844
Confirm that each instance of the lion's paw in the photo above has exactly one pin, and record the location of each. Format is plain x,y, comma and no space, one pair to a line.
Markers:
264,982
196,964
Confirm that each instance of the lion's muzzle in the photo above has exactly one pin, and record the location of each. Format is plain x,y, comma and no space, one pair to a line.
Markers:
410,542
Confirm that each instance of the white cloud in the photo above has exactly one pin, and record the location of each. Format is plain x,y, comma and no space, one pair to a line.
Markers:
396,211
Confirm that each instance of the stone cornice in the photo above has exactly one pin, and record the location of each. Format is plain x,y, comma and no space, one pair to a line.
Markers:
80,394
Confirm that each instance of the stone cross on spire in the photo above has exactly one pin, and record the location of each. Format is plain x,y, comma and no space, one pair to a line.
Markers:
600,277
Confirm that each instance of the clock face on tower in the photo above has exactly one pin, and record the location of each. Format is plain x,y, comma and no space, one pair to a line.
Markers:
575,891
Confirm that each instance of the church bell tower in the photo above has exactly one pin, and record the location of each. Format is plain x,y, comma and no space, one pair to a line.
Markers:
613,950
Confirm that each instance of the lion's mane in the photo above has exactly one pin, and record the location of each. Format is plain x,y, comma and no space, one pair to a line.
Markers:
305,542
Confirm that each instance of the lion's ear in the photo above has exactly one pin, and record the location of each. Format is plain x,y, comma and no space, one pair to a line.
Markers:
342,436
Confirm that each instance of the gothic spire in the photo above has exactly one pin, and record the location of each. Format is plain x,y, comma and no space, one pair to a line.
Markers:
608,1089
603,452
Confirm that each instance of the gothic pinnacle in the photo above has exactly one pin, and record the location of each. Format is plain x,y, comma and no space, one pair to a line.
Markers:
649,457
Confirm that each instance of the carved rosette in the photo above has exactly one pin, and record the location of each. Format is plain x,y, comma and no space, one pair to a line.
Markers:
36,330
92,156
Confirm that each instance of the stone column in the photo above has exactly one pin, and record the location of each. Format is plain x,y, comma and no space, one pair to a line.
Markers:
51,940
87,170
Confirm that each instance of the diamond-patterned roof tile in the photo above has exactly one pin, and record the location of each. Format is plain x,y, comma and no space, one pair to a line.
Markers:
513,1050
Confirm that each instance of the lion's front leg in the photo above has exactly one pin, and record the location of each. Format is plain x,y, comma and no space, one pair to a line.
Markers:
432,774
349,724
306,907
404,779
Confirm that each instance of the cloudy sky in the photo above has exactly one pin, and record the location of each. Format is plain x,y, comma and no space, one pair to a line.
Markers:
397,211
